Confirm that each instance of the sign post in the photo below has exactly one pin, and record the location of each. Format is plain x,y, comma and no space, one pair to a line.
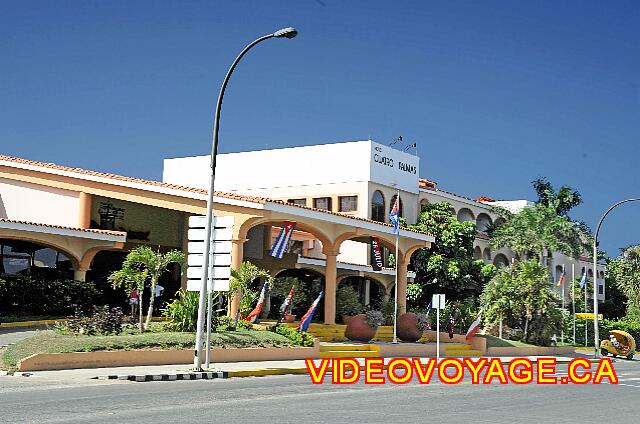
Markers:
437,301
219,262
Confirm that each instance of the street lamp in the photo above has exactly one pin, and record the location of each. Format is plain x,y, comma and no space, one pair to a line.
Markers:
596,336
197,360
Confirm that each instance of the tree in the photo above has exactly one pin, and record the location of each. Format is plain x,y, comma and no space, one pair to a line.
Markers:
143,266
239,286
538,229
625,271
448,265
562,202
524,297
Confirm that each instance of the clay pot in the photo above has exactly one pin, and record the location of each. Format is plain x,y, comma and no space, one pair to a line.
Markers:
289,318
408,327
357,329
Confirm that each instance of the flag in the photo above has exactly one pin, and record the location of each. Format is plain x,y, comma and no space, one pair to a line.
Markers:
282,241
255,314
306,318
583,280
285,305
452,322
561,280
376,254
475,325
393,216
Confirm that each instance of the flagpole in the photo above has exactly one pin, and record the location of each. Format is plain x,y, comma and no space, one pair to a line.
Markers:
563,306
586,327
395,307
573,298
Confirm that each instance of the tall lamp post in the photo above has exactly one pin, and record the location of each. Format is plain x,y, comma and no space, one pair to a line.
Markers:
197,360
596,336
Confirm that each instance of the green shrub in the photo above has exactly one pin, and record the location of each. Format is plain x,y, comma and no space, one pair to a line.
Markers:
348,301
630,325
182,312
225,323
102,321
299,338
38,296
374,318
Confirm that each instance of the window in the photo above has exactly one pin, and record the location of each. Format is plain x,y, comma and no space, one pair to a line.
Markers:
19,257
299,202
348,203
322,203
377,206
600,288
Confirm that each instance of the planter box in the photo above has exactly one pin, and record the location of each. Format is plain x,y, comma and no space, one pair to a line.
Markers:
124,358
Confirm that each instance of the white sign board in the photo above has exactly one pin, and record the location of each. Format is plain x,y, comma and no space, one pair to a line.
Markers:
391,166
437,301
220,253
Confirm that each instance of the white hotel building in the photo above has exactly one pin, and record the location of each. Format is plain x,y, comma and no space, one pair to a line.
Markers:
363,179
76,223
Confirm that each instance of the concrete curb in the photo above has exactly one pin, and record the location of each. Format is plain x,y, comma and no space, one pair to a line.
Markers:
210,375
38,323
15,374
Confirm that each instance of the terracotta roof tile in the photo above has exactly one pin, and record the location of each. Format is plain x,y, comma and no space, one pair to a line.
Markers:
236,196
62,227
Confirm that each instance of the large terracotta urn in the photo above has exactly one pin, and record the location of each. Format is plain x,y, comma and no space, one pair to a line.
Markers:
408,327
358,330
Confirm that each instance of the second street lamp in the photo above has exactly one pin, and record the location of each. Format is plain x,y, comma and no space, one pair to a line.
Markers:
197,360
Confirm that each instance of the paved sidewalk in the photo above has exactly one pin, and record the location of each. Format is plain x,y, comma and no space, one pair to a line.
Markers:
222,370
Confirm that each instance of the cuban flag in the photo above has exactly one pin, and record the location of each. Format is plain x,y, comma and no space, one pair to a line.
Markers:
282,241
583,280
255,314
475,326
305,321
285,305
393,216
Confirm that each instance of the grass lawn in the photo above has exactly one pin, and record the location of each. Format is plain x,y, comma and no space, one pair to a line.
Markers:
51,342
493,341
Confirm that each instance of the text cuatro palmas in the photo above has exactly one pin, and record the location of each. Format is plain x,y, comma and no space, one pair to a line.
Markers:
454,371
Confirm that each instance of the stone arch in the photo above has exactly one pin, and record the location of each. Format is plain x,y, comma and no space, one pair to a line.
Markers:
313,282
483,222
377,290
75,261
500,260
244,228
386,241
465,214
590,273
477,252
499,221
486,255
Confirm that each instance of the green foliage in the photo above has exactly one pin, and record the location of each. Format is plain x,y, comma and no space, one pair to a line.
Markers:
536,228
630,324
102,321
225,323
414,291
29,295
240,281
142,267
348,301
387,308
523,297
182,312
374,318
447,266
563,201
51,342
625,271
280,289
299,338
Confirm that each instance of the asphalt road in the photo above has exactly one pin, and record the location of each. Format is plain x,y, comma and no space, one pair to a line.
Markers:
10,335
294,399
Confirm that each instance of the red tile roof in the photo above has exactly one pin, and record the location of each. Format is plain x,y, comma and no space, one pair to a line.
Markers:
61,227
235,196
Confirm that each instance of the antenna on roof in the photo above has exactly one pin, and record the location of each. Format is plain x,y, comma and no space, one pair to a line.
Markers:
396,140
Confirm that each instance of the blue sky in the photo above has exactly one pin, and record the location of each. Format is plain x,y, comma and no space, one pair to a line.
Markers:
495,93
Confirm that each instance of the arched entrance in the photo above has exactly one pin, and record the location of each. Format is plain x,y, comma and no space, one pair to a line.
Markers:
370,292
308,285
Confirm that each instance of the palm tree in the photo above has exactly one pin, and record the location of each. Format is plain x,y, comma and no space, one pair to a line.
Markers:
239,286
538,229
564,200
144,264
